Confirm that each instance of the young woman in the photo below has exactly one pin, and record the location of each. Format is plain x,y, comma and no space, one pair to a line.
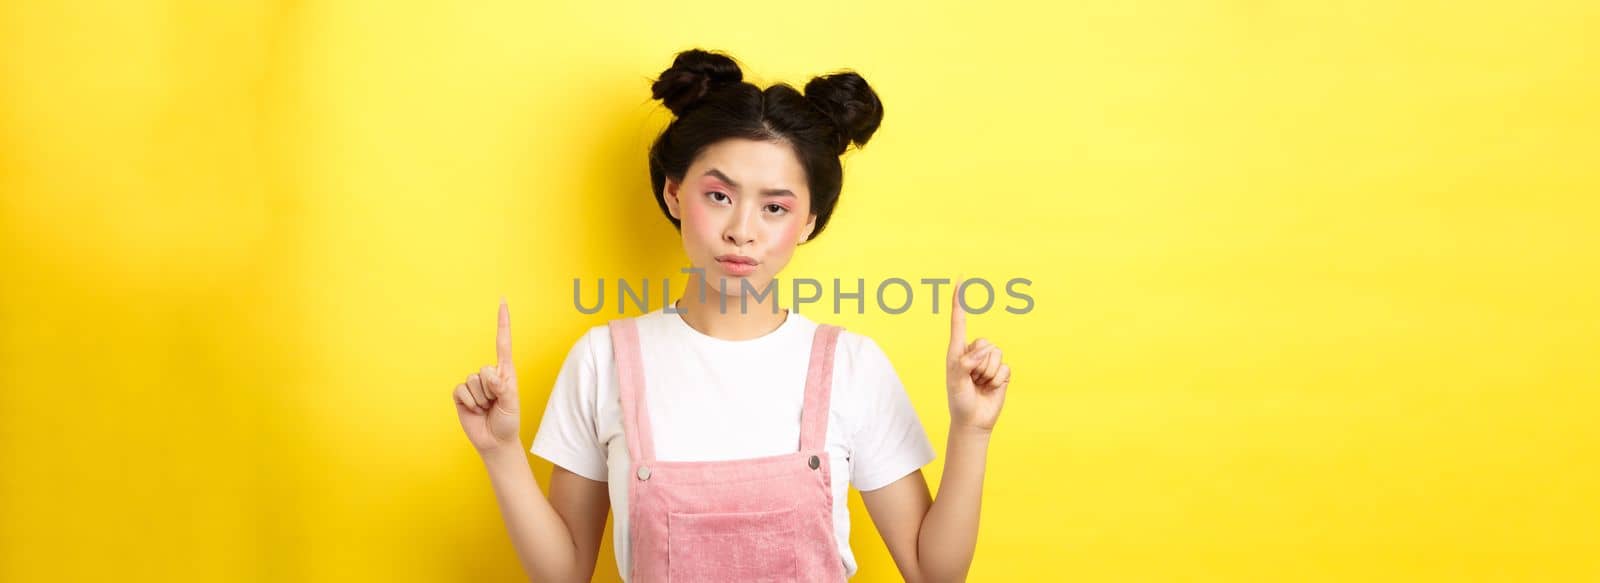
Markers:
724,438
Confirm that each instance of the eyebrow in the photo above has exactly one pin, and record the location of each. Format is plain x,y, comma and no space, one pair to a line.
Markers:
769,192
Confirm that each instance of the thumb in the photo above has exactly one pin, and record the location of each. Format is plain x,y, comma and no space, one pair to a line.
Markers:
968,362
506,405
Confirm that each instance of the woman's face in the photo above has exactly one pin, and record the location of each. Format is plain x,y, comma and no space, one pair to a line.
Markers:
743,206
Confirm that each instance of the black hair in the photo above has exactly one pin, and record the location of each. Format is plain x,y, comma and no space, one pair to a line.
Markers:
711,102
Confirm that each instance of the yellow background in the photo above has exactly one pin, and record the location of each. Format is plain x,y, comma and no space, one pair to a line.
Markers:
1316,286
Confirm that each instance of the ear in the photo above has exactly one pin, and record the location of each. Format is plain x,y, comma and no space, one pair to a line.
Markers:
811,225
670,194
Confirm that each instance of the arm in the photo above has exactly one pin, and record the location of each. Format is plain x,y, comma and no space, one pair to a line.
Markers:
935,540
556,539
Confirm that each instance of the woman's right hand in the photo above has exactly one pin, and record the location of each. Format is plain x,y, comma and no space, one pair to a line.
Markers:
486,402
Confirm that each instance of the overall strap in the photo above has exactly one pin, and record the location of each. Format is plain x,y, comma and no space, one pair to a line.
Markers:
819,388
630,378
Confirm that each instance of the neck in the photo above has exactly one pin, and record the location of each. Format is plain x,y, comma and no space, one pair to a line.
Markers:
702,307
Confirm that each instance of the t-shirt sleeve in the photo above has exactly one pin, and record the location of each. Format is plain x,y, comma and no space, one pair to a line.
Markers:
567,435
888,441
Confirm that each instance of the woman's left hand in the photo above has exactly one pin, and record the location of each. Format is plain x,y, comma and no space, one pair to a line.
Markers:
975,375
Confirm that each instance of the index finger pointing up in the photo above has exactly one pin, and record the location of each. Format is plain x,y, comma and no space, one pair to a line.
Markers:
502,339
958,322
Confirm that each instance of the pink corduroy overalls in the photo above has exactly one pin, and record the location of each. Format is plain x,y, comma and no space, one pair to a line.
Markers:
756,519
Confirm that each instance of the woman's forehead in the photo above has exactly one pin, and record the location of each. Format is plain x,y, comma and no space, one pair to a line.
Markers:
750,165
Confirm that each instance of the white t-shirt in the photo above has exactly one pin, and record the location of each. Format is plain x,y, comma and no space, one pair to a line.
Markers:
711,399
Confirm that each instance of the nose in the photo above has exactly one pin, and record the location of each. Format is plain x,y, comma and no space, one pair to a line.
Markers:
739,231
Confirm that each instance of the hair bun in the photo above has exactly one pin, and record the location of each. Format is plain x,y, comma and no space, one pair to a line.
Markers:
851,104
693,74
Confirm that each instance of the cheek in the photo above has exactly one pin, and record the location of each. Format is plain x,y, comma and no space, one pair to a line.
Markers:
691,212
696,224
785,240
789,231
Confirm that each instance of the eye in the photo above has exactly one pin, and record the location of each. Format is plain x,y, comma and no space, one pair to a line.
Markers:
777,209
714,194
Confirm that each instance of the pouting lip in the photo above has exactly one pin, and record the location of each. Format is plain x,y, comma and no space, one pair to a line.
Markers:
736,259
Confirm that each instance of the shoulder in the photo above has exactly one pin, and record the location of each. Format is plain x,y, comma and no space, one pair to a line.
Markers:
851,347
873,406
592,349
856,351
863,376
